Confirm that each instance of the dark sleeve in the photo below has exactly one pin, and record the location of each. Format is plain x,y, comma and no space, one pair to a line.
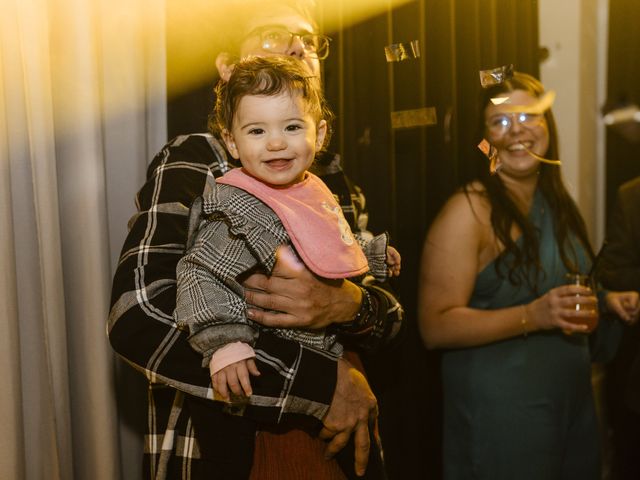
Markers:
384,322
619,262
618,268
295,380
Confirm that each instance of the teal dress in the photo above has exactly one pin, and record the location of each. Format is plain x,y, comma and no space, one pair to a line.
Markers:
521,408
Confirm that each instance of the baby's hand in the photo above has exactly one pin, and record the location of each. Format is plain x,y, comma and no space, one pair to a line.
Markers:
234,377
393,261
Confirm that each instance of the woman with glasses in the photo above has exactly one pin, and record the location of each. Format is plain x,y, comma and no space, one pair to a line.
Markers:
494,296
302,394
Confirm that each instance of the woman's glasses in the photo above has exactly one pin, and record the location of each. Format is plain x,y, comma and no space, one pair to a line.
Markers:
498,125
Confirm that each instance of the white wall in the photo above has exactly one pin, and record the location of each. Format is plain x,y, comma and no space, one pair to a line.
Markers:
575,32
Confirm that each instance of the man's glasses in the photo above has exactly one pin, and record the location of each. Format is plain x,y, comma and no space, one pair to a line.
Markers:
279,40
500,124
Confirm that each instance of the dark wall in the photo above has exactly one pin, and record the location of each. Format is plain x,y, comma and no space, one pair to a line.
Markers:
407,174
188,112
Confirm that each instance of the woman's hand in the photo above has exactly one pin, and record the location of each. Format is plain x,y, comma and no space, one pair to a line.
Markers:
625,304
293,297
557,309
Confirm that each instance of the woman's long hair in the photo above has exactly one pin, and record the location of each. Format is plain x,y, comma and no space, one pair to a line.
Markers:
567,219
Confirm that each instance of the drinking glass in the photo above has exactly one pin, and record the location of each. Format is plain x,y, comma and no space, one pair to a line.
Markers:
583,280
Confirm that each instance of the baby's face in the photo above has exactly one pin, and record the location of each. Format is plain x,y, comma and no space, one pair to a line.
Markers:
275,137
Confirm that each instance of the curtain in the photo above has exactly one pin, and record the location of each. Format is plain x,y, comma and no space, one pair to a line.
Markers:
82,110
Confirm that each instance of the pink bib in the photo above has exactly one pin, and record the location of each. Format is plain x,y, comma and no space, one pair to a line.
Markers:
314,221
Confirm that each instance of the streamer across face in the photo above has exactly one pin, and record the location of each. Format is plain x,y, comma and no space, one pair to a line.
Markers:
518,131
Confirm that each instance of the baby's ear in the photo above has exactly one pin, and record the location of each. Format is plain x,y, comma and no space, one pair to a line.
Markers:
321,133
230,143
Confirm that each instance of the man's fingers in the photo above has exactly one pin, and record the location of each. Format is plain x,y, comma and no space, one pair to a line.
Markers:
273,319
620,310
326,433
256,281
336,444
260,299
362,447
339,441
269,301
287,267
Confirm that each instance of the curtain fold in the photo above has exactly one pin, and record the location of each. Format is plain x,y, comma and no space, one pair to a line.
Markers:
81,111
39,319
12,443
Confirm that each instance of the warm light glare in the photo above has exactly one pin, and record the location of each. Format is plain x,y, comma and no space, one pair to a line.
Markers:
106,57
196,31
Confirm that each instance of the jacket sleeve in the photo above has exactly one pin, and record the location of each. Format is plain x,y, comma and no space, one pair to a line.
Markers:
619,259
231,234
210,301
295,381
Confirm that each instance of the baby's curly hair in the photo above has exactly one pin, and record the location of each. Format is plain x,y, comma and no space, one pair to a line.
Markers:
268,76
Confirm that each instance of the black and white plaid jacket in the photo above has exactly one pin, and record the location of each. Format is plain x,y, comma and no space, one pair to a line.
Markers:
233,233
142,330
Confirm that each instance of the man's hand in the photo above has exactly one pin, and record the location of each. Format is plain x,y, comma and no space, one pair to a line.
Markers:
625,304
293,297
353,408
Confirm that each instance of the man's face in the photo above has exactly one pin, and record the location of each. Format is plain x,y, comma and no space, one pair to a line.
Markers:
289,20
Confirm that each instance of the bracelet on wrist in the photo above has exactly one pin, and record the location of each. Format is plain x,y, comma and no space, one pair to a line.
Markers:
360,322
524,320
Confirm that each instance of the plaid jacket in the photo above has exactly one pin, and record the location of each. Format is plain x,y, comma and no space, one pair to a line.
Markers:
142,330
234,233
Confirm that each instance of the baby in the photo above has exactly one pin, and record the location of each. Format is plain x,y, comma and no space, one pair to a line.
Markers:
274,119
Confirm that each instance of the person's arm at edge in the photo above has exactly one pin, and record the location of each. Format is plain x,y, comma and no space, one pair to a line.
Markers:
619,260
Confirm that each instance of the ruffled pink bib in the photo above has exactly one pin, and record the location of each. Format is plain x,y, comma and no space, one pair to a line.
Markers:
314,221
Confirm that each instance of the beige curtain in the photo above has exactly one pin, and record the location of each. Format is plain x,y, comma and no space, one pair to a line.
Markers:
81,112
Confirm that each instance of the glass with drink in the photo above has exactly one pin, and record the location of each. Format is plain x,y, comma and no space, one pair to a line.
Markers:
583,280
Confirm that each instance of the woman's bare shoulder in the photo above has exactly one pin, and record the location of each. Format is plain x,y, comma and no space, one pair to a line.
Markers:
470,200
